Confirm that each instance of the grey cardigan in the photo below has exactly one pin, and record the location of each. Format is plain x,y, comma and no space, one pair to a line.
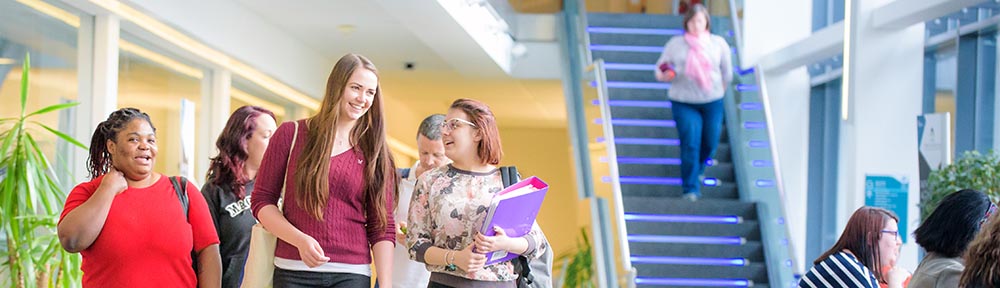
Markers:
937,271
682,88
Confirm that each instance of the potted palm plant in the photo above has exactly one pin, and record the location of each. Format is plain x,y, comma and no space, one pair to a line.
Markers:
30,201
577,266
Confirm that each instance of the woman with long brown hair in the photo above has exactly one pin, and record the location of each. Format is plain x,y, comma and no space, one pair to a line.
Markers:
869,242
339,183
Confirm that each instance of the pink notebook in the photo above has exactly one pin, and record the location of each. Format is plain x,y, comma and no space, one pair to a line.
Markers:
514,209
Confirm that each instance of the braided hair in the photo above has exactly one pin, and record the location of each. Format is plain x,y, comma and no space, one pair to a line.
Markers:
99,161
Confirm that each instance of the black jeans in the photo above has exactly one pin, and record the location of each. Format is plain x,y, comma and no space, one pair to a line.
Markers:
294,279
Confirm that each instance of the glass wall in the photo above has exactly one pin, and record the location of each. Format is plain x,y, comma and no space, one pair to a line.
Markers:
49,33
170,91
246,93
960,74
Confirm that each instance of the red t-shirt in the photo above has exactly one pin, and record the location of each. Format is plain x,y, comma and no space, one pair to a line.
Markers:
146,240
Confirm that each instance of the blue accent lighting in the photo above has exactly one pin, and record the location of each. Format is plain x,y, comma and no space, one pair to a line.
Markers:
693,282
676,218
689,260
627,48
723,240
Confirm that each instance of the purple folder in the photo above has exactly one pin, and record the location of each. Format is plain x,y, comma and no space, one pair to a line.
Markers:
514,209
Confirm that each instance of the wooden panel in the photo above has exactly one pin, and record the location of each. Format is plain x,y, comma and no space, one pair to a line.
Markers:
537,6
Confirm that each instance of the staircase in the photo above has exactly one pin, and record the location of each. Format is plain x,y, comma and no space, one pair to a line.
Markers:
715,241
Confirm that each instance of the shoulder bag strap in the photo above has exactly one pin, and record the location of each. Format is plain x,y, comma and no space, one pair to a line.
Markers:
281,200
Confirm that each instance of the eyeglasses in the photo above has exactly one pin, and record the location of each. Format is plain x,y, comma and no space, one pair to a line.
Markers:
454,123
990,211
893,233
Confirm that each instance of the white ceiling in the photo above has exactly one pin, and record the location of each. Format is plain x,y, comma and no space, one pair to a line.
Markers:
449,64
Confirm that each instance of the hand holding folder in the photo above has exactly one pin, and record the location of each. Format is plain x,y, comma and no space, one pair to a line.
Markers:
514,210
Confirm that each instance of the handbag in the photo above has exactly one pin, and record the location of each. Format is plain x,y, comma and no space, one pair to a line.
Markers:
258,272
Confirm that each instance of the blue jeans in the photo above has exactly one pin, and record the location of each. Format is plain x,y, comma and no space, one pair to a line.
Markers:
699,127
290,278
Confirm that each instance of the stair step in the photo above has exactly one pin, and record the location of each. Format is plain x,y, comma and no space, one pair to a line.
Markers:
751,250
663,147
681,218
720,171
647,55
631,75
724,191
693,282
634,20
748,230
663,205
756,272
636,94
629,39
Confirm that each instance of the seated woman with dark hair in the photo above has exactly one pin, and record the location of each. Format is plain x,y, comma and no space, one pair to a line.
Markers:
869,242
945,234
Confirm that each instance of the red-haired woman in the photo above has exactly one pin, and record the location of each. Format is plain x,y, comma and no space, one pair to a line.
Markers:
869,242
339,186
450,203
230,181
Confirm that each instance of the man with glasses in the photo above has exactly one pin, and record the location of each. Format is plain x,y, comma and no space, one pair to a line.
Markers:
406,272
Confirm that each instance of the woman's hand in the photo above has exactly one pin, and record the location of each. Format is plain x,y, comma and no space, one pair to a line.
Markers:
897,276
401,232
113,182
486,244
468,260
310,251
664,76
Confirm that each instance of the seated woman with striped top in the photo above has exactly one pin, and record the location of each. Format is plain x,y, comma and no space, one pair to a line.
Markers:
869,242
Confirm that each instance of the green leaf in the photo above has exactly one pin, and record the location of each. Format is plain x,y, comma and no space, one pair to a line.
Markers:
61,135
53,108
25,67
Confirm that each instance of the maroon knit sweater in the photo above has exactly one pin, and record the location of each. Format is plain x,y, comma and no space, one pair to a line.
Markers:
342,232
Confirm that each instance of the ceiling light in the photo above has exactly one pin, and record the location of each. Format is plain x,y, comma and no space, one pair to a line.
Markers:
7,61
346,28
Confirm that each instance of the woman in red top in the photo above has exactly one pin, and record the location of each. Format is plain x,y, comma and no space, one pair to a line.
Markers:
128,222
339,187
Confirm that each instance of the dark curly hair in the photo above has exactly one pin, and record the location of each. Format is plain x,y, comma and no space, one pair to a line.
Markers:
99,161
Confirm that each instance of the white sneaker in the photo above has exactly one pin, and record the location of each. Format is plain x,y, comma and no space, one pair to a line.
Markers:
690,197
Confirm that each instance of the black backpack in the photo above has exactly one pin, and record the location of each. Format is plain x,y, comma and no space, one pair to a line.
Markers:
536,273
180,187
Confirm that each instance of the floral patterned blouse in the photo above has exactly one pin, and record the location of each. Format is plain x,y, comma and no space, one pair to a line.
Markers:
448,208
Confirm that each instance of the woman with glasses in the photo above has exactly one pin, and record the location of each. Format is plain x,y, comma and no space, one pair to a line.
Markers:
945,235
869,242
449,205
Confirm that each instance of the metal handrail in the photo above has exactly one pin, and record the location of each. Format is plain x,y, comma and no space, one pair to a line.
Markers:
779,183
612,154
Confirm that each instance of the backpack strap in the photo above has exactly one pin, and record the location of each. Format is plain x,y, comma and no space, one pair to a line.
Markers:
509,175
180,187
403,173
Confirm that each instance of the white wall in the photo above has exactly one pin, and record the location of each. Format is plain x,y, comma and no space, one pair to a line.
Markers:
879,137
768,27
235,30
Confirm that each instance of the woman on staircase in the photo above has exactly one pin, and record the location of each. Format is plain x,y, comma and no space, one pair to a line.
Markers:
699,67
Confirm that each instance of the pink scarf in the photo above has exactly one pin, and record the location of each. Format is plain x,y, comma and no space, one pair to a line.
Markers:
698,68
